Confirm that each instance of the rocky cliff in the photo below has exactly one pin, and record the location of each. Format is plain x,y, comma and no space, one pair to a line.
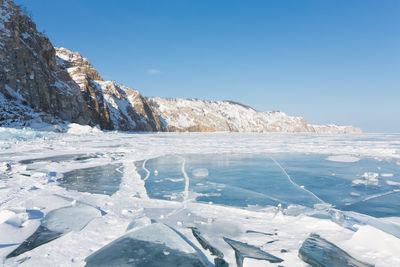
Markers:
29,73
41,83
112,105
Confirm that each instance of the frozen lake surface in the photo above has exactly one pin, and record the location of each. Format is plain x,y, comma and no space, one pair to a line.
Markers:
244,180
257,195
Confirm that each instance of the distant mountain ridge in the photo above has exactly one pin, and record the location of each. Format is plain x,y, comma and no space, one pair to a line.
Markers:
40,83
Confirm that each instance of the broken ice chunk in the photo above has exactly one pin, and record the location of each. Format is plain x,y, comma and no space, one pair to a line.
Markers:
41,236
319,252
219,260
206,245
243,250
370,178
68,219
57,223
153,245
200,173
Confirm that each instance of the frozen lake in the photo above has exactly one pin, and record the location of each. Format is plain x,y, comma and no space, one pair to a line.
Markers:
79,199
367,185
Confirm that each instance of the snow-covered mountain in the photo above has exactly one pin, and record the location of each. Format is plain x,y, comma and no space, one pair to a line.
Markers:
41,83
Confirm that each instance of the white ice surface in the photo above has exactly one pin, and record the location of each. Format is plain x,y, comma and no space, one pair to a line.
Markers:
37,190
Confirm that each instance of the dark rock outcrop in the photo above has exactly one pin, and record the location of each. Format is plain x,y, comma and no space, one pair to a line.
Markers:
29,72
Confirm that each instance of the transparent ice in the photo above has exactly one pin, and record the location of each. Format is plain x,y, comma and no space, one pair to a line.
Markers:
317,251
153,245
97,180
259,180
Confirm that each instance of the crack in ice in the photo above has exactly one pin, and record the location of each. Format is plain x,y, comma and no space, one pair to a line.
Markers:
255,193
375,196
146,170
380,195
186,191
295,184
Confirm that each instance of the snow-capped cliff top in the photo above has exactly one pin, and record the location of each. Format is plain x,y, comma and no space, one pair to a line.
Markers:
202,115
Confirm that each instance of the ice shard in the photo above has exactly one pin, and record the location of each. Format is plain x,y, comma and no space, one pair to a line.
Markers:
41,236
219,260
243,250
319,252
154,245
206,245
57,223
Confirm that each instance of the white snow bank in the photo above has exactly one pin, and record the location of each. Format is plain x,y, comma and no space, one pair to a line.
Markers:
5,215
371,243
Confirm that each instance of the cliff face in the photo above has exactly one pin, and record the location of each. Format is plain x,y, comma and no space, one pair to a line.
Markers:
29,73
41,83
112,105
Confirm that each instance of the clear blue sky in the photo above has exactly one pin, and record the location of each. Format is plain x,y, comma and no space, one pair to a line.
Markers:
331,61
